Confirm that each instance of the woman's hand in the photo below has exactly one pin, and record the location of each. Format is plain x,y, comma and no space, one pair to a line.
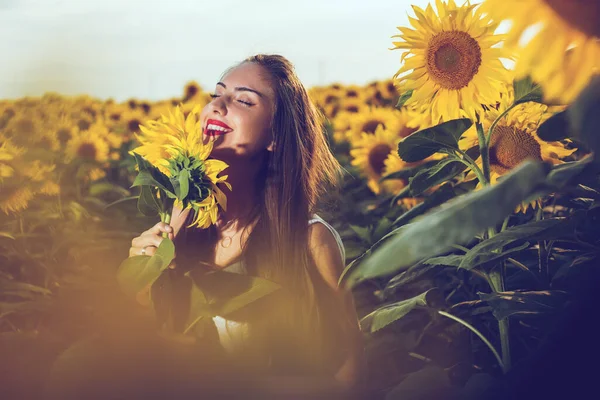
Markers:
150,240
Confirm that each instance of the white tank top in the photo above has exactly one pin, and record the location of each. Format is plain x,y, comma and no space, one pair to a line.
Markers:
233,333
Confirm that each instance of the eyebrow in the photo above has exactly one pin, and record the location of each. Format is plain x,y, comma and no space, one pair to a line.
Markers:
243,89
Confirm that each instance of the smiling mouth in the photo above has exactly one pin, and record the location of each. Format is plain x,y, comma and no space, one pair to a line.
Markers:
213,129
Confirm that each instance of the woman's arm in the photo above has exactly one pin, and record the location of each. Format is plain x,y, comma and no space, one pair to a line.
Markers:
325,252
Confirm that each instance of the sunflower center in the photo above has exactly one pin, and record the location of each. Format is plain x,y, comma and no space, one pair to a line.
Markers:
581,14
63,135
453,59
371,126
511,146
330,99
377,157
87,150
83,124
133,125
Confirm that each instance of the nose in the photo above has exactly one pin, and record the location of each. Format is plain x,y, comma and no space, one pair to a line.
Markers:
218,106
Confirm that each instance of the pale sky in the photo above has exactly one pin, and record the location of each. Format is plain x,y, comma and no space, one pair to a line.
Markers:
149,49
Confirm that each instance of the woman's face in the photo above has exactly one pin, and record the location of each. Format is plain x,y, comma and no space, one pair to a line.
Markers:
240,113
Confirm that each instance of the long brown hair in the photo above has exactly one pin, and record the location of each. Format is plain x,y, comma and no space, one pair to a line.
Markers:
299,170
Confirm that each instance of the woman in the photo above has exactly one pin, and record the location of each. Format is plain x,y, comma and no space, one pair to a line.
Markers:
271,136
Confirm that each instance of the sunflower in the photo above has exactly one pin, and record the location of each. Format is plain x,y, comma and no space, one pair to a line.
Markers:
394,163
174,145
87,146
131,121
370,119
15,199
515,139
191,89
564,51
23,128
327,99
63,130
450,63
8,153
341,124
369,154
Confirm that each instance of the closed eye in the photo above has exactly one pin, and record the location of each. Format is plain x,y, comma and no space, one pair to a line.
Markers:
246,103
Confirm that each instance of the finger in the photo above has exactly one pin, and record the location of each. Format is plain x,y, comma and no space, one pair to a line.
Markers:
151,240
173,265
159,228
150,251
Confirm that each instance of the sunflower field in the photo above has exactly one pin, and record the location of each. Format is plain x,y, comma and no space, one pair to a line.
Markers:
470,209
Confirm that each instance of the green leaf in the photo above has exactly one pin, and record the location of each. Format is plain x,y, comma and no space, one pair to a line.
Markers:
403,98
584,118
492,259
446,192
123,200
506,304
145,178
415,273
148,204
526,90
98,189
444,170
554,128
457,222
426,142
546,229
452,260
184,183
137,272
221,293
408,172
389,313
563,174
227,292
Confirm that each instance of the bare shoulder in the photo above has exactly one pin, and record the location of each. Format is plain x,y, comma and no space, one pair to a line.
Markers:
325,251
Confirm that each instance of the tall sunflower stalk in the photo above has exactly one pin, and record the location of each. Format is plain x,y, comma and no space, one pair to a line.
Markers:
452,74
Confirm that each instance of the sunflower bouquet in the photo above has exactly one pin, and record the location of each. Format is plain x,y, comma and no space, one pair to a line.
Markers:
174,169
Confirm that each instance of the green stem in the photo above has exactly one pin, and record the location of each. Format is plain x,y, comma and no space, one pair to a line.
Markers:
497,283
493,126
484,149
473,167
505,224
479,334
542,251
194,322
522,267
166,218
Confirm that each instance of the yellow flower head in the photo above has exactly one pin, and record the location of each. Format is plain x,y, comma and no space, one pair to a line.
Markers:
174,144
563,52
450,63
89,146
15,199
515,138
367,121
370,153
